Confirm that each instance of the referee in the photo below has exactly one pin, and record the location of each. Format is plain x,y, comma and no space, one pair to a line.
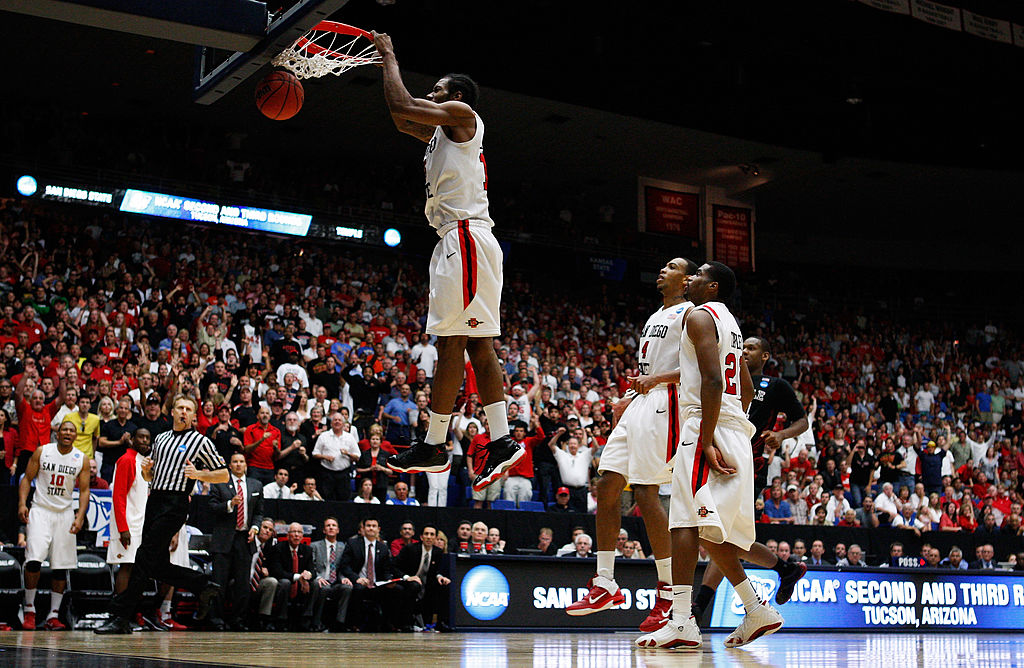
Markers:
179,457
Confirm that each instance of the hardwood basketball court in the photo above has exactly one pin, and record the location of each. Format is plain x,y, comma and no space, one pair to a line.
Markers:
83,649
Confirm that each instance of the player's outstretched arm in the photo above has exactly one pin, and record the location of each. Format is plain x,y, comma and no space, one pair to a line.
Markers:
404,107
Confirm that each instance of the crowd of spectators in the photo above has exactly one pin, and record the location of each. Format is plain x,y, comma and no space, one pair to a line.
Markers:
312,363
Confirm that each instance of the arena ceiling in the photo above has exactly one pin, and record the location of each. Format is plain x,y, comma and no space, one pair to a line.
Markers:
597,94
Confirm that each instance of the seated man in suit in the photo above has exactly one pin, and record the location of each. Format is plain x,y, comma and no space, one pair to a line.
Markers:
291,562
327,555
424,560
367,562
237,512
260,581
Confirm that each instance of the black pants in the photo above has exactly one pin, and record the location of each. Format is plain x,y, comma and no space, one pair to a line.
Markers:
546,480
578,499
265,476
435,601
336,485
233,565
165,513
396,601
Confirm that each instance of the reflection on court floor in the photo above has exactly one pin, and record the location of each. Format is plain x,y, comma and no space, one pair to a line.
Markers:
504,650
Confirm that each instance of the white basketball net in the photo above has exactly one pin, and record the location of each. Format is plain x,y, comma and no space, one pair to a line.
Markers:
321,52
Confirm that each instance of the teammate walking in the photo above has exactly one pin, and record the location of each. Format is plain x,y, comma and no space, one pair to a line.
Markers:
51,525
172,472
713,477
772,396
641,448
465,268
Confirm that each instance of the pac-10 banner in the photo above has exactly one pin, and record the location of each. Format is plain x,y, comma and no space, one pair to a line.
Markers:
886,599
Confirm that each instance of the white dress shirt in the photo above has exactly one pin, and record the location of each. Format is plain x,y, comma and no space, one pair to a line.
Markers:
332,445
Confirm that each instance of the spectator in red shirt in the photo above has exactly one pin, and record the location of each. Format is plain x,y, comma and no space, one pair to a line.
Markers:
803,465
262,444
95,481
519,483
34,417
406,536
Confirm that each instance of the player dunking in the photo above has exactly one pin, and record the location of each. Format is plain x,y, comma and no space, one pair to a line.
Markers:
771,396
51,525
641,449
465,268
713,476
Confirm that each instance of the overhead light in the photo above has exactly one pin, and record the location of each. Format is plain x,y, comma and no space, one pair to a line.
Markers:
392,237
750,169
854,100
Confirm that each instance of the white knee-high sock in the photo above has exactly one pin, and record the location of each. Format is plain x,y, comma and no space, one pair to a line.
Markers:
497,419
437,431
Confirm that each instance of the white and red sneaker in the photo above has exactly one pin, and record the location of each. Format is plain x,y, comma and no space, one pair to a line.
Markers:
54,624
762,621
29,621
662,610
172,625
673,636
600,597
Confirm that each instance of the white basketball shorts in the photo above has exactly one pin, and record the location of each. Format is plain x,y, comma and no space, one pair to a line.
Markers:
721,506
49,538
179,556
465,282
643,444
118,553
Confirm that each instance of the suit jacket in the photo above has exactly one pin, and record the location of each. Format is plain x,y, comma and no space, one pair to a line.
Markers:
980,565
355,556
224,518
409,558
279,561
320,559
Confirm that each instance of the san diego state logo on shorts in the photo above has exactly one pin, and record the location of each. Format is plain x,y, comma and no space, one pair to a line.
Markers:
474,323
703,511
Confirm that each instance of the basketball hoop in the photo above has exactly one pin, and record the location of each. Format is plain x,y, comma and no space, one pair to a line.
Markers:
329,48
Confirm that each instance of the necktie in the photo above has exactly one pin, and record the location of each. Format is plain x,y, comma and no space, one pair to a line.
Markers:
370,575
240,510
295,569
424,565
333,572
257,573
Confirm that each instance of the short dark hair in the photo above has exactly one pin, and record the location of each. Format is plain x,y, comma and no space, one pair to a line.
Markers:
691,266
763,343
725,278
461,83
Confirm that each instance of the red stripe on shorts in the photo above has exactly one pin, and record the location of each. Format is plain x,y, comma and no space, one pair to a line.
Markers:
700,468
468,247
673,423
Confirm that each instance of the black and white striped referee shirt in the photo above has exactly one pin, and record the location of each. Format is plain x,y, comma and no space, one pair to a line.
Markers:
171,449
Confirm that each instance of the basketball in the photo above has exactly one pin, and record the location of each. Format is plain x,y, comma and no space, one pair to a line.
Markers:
279,96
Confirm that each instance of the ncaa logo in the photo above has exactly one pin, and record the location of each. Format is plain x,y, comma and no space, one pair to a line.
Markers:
763,587
485,593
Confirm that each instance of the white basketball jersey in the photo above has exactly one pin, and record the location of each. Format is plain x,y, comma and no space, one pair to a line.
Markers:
137,496
730,355
659,340
57,477
456,178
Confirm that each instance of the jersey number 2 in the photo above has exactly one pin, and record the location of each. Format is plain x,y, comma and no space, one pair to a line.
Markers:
730,373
